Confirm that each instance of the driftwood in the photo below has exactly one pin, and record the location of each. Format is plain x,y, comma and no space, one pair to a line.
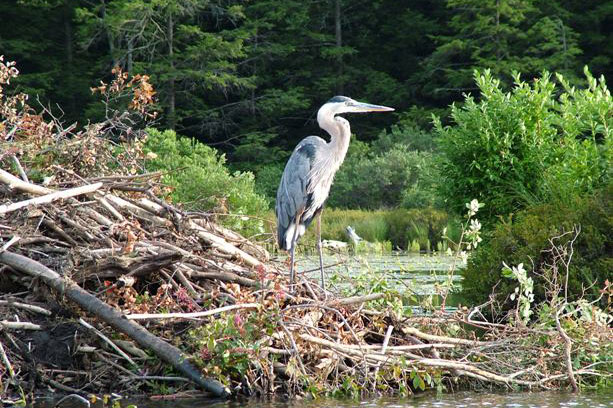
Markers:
157,316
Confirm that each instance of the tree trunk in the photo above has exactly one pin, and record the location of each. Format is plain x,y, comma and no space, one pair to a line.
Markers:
70,69
130,62
498,53
171,81
109,34
339,44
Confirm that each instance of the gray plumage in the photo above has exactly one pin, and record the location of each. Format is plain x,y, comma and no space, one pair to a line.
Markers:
310,170
296,190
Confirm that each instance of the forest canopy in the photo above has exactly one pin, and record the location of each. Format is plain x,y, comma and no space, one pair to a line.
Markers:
246,77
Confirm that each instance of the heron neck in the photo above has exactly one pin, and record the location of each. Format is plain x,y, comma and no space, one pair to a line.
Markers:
340,133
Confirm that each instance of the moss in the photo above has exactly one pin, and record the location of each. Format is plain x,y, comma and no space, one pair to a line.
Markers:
524,237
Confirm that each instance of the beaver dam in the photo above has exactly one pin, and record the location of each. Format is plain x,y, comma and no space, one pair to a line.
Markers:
107,287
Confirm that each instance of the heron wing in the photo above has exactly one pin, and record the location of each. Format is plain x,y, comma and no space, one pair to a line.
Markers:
292,195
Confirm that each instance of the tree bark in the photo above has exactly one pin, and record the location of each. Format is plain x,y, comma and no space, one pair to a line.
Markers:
339,43
171,81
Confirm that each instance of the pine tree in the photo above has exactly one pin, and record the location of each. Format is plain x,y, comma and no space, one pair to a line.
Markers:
503,36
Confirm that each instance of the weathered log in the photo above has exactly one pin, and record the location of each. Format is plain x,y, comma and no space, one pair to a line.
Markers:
48,198
223,276
117,320
20,325
226,247
114,266
16,183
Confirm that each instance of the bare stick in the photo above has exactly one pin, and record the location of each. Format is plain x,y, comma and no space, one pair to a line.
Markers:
6,208
6,246
152,316
567,352
386,340
16,183
442,339
25,306
358,299
84,401
20,325
107,341
6,361
158,378
110,208
22,172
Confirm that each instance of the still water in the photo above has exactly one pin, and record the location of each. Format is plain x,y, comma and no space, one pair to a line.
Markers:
411,273
601,399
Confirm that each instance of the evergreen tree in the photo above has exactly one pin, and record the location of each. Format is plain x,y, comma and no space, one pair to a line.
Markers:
189,47
503,36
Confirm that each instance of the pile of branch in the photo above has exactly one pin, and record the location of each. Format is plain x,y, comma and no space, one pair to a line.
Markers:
85,264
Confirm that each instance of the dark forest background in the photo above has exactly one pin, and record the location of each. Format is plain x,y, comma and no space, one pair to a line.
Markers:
247,77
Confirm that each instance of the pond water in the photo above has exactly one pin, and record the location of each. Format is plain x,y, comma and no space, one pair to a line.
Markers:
410,273
601,399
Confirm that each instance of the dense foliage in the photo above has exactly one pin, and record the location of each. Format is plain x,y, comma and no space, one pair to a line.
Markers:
398,169
200,181
536,143
539,157
247,76
526,238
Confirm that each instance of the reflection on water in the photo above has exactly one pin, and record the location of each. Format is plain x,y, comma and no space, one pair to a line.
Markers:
425,400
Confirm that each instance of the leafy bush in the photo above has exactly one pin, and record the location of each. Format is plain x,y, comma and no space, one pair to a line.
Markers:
526,146
388,179
201,182
524,238
267,179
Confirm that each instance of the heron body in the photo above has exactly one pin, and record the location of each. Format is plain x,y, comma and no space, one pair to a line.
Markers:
309,172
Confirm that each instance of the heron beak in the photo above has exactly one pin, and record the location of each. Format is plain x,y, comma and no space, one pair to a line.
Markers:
367,107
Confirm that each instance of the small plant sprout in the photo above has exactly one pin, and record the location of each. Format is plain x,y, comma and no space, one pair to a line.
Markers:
469,239
524,292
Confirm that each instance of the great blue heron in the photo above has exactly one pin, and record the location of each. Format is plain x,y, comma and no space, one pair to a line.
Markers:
308,175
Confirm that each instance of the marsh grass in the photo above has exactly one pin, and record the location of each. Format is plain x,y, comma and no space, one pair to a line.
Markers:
414,230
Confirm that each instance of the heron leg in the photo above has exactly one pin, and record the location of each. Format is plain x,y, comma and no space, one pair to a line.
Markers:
320,250
291,268
292,273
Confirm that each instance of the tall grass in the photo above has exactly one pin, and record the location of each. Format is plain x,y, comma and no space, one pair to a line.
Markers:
414,230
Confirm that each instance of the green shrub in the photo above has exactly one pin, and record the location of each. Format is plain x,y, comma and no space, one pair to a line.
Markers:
524,238
385,180
531,145
267,179
397,169
200,181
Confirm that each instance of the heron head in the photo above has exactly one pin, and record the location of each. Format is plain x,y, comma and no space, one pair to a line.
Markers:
343,104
